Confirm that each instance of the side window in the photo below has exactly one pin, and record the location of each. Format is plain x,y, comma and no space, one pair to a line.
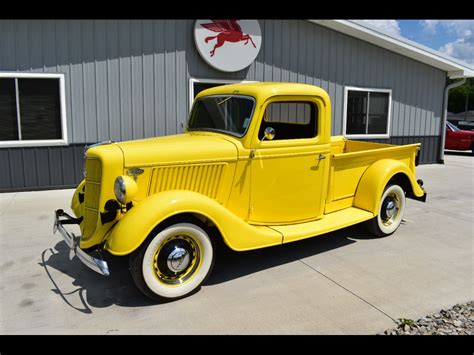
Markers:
290,120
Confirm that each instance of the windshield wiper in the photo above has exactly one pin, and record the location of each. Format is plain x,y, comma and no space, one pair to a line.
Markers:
227,98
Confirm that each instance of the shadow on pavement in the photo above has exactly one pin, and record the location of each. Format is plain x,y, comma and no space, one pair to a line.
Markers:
100,291
94,290
231,265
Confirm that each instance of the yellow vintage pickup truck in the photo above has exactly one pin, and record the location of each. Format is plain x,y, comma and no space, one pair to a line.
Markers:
256,166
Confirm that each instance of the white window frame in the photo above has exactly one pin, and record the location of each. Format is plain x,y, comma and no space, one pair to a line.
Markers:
62,103
389,116
211,81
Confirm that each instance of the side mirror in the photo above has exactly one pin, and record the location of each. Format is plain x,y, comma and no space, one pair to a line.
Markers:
268,134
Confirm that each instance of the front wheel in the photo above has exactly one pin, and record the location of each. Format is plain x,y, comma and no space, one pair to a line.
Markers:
390,214
173,263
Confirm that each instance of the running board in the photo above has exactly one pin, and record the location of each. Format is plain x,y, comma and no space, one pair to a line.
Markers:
328,223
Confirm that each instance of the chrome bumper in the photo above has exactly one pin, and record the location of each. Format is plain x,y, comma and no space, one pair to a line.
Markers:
98,265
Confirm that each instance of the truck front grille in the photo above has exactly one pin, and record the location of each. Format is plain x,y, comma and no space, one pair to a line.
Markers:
92,196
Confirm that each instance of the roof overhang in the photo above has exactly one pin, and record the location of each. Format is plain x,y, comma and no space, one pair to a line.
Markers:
453,67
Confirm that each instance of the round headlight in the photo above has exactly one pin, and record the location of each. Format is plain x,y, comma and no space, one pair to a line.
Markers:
125,188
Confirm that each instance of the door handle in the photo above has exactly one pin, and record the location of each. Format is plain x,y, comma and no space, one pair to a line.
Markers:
321,157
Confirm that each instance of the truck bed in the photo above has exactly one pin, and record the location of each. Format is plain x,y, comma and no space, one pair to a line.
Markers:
350,159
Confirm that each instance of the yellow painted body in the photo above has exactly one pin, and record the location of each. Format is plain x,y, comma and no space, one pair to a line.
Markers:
257,194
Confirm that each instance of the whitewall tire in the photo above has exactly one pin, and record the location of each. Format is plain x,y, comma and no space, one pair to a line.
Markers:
174,262
390,213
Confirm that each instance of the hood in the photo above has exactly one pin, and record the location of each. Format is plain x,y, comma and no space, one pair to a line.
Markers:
180,148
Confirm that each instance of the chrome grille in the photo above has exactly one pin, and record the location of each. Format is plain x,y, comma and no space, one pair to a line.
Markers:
92,196
93,170
204,179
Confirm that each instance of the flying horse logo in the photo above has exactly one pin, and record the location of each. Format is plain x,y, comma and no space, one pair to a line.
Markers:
229,31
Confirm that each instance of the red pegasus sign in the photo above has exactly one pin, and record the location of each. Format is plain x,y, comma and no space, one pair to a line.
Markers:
229,31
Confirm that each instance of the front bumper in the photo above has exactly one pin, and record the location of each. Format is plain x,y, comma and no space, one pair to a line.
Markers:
98,265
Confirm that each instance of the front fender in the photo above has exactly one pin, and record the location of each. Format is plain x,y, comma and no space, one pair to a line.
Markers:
374,180
135,226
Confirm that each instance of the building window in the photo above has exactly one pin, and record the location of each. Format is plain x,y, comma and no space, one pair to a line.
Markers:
32,111
367,112
290,120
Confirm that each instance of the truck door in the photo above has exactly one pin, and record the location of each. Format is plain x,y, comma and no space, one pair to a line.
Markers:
289,172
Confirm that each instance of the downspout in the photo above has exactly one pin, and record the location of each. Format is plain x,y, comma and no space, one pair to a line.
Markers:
445,117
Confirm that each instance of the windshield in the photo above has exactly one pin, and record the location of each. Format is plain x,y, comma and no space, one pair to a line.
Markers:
224,113
453,127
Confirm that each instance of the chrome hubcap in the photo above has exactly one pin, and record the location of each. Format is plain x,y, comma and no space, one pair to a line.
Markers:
178,260
390,209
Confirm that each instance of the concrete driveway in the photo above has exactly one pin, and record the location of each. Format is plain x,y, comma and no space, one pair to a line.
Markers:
341,283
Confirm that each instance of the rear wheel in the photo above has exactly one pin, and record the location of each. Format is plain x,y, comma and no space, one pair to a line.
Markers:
173,263
390,214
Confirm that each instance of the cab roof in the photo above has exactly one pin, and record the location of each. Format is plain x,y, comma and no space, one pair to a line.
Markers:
264,90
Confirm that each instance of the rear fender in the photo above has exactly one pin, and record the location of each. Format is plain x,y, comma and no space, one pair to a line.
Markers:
135,226
374,180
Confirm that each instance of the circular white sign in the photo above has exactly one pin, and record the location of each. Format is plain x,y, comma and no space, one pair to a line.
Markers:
228,45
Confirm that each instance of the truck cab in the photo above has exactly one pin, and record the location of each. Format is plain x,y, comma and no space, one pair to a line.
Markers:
256,166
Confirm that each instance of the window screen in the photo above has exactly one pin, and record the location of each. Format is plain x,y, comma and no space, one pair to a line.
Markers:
8,118
36,115
290,120
367,112
39,109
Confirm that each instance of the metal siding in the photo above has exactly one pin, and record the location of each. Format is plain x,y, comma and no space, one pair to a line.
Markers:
56,175
36,45
294,49
113,80
285,50
89,75
148,82
302,31
8,45
101,80
325,58
125,104
159,77
49,44
29,167
332,75
267,37
340,70
76,82
22,51
137,79
130,79
170,76
440,84
67,165
181,102
42,166
394,79
310,44
78,156
62,57
277,50
16,168
5,171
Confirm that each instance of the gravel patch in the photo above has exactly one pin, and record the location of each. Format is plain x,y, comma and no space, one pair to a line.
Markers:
458,320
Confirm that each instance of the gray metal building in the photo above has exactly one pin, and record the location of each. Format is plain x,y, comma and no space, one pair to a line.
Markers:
129,79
